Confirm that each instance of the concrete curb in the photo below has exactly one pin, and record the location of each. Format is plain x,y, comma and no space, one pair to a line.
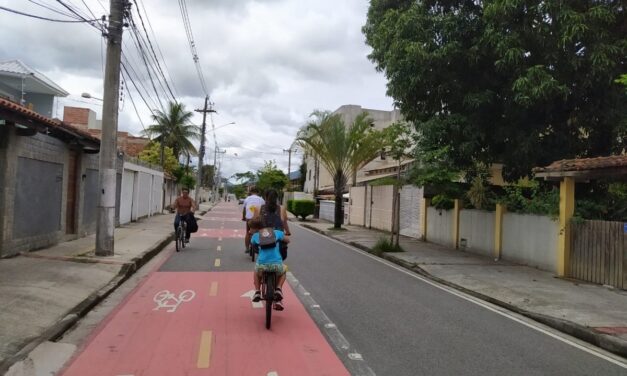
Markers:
59,328
604,341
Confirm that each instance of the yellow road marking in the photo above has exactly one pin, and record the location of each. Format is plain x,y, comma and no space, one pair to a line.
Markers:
217,264
213,291
204,351
219,239
219,248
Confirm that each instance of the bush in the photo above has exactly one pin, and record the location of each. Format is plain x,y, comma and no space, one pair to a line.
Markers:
290,206
302,208
384,245
442,202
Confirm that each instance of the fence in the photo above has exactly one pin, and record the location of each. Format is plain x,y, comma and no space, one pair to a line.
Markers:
599,252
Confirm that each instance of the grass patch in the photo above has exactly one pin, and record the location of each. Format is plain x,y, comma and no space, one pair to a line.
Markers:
384,245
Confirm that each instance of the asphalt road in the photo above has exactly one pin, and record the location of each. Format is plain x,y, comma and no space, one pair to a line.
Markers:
398,323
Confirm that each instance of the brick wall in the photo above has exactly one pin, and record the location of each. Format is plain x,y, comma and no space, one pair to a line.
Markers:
76,115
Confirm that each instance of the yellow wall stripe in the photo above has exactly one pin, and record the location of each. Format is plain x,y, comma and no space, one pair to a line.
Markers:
213,291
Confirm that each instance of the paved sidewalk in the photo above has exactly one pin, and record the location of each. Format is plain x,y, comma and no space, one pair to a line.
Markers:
43,293
593,313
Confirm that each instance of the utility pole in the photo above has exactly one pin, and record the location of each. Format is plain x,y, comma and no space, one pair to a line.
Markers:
107,174
216,172
289,165
201,151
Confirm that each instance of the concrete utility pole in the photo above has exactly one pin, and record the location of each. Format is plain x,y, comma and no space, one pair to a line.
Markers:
105,225
216,173
201,152
289,165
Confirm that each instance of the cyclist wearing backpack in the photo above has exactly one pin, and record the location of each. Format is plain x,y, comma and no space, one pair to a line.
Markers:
267,240
274,215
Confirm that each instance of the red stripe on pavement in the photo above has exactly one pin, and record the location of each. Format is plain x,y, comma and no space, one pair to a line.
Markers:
205,333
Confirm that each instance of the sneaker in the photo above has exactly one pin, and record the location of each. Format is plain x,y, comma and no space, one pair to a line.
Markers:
278,295
257,296
186,240
278,306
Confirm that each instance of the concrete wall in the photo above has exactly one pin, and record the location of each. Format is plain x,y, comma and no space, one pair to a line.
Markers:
530,240
141,192
410,218
30,164
440,226
381,207
476,230
357,209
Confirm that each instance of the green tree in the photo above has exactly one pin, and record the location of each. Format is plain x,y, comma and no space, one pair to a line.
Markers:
398,144
522,82
341,149
270,177
244,177
173,129
152,154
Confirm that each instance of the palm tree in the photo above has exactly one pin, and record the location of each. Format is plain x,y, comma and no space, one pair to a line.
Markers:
341,149
173,129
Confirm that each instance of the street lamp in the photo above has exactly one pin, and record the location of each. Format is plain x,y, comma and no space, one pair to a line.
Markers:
88,96
223,125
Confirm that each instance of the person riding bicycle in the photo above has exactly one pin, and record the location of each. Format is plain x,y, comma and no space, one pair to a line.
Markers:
269,259
252,204
185,208
274,215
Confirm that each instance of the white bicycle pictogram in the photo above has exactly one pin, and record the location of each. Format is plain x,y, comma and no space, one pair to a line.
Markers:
167,299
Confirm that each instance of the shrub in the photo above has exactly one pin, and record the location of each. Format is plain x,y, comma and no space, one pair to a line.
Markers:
290,206
384,245
442,202
302,208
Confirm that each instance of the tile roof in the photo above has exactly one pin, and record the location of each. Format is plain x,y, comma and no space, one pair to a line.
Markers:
18,67
584,164
54,123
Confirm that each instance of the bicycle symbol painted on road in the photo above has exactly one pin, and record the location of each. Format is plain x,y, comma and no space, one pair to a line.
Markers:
166,299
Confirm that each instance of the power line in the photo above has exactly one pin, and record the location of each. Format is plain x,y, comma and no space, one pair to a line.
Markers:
43,18
53,9
192,44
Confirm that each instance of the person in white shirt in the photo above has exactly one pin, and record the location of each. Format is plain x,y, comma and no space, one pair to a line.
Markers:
252,204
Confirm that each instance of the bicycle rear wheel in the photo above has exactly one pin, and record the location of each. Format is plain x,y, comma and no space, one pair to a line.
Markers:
269,297
252,252
183,233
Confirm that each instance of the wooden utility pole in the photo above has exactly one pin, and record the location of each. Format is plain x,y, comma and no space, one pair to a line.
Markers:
216,171
201,151
107,174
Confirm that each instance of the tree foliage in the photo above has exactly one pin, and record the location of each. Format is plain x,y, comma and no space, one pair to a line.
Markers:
270,177
152,155
342,149
207,176
522,82
174,129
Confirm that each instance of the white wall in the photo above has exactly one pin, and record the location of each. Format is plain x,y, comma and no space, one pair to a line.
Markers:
440,226
530,240
141,192
477,228
327,210
382,197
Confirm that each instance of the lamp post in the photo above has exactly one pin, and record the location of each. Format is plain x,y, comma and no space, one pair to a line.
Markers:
88,96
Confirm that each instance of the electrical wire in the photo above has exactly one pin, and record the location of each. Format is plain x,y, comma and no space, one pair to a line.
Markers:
43,18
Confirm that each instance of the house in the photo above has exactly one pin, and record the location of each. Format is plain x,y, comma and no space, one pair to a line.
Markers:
294,181
23,85
318,179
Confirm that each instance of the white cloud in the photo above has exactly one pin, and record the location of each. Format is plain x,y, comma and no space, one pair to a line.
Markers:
267,65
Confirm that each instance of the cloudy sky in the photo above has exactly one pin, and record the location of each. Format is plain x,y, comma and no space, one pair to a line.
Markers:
267,65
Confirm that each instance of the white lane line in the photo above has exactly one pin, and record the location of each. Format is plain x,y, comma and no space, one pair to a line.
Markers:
273,373
572,341
219,248
249,294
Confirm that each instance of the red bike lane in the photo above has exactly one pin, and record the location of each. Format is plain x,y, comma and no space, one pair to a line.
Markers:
204,323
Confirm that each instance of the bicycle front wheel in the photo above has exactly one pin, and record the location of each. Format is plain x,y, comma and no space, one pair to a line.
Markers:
177,239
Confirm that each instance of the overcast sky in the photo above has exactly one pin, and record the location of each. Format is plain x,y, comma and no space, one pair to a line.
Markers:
267,65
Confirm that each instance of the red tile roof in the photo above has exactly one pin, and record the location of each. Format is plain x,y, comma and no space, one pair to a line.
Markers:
585,164
32,115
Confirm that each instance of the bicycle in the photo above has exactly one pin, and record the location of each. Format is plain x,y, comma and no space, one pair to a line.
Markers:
181,232
268,285
252,251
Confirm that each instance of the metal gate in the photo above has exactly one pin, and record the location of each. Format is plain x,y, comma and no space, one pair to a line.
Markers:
599,252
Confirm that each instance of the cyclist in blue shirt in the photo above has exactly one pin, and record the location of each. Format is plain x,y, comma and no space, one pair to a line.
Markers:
269,260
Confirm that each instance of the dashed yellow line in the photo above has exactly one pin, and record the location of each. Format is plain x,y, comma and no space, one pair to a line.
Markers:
219,248
217,263
204,351
213,290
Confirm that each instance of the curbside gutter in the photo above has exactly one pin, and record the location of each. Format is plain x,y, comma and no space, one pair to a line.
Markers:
605,341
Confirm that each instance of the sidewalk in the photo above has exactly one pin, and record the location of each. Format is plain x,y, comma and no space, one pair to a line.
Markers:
593,313
43,293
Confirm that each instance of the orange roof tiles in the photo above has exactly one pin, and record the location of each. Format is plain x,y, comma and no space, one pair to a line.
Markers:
584,164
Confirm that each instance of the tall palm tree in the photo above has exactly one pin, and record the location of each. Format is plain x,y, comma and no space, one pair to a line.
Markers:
173,129
341,149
